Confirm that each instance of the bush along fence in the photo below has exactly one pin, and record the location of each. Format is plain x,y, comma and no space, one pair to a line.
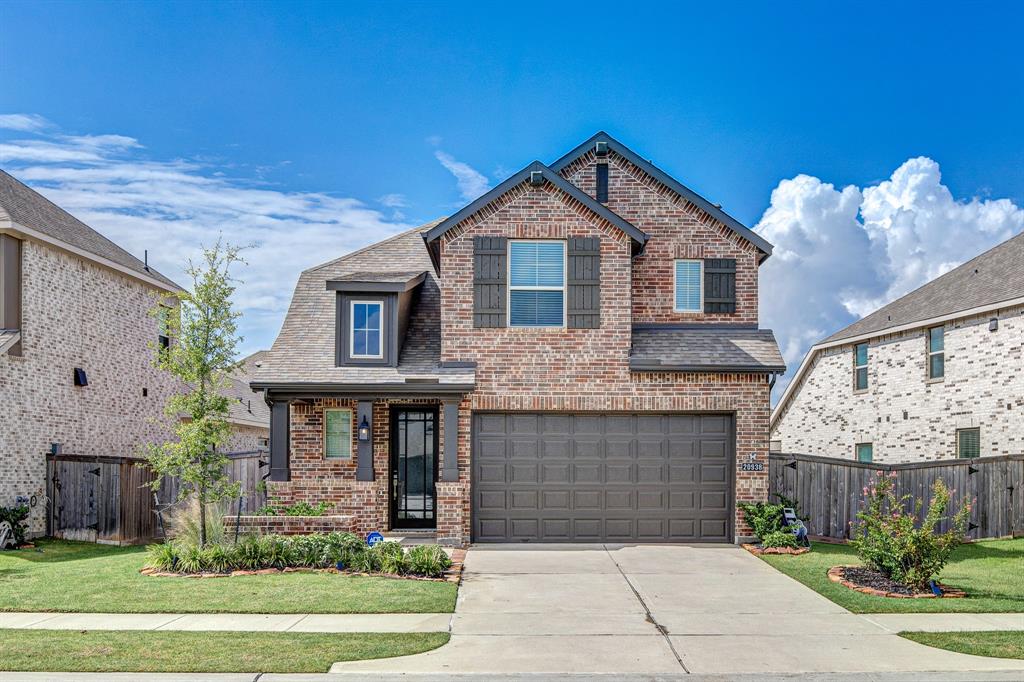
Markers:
108,499
830,491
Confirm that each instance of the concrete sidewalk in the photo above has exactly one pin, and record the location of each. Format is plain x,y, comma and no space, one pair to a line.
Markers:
238,622
946,622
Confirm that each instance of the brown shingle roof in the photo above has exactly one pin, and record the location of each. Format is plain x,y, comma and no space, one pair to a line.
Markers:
707,349
995,276
304,350
29,208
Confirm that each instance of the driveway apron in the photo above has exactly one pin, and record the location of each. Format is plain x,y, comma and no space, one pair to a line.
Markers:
655,609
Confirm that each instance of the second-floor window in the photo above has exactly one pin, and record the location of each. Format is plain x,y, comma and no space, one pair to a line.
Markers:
536,284
936,353
163,322
860,367
367,322
689,286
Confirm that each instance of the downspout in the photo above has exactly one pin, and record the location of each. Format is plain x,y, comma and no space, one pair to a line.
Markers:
771,382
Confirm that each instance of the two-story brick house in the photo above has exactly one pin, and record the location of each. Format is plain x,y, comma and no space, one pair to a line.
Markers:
936,374
76,363
574,356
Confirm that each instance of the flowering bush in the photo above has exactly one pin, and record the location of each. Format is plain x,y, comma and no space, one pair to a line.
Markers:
888,539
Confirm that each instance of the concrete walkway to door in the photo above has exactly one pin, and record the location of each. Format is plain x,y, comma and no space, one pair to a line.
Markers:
655,609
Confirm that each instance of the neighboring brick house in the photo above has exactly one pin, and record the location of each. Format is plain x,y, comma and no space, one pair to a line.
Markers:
572,357
74,309
248,413
936,374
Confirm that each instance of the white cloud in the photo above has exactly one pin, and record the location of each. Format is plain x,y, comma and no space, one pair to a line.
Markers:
471,182
392,201
173,207
841,254
23,122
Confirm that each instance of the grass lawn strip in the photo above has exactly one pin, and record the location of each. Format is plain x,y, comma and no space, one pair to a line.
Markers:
200,652
990,573
997,644
84,577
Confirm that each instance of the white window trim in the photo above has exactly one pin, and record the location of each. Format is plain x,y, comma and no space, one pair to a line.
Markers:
856,367
352,329
564,288
929,353
348,448
675,284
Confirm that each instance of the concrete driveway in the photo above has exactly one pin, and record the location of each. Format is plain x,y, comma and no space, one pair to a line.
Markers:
655,609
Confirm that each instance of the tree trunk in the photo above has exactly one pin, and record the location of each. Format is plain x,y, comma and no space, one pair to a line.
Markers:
202,516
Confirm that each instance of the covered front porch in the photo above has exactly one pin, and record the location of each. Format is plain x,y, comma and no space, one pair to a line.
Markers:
386,458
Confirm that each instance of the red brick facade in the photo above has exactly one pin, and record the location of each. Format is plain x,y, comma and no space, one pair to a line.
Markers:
568,370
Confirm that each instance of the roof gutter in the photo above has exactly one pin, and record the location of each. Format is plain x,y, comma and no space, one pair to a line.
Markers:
910,326
655,366
374,390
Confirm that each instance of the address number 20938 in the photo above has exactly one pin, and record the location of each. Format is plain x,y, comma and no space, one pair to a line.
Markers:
752,466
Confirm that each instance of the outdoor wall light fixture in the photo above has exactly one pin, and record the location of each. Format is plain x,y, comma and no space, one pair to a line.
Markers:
364,430
993,324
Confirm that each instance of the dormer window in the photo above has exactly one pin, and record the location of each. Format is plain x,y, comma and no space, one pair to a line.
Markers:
366,332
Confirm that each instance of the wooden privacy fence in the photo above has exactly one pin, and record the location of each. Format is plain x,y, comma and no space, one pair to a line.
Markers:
108,499
830,491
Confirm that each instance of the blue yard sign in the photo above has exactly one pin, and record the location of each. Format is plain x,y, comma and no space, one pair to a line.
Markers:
373,538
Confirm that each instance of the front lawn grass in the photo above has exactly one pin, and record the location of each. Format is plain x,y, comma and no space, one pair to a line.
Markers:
85,577
200,652
990,572
995,643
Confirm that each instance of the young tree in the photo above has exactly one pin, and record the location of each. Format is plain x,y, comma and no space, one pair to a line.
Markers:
204,340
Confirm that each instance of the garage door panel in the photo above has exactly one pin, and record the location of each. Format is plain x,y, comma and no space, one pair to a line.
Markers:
590,478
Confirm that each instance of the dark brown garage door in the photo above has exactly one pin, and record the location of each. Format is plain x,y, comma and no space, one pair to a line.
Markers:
594,478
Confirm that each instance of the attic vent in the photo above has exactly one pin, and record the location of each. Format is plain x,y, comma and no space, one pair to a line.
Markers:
536,178
601,148
993,324
601,190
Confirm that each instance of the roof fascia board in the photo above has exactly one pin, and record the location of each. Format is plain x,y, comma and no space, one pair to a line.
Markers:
18,230
312,389
648,366
376,287
554,178
664,178
909,326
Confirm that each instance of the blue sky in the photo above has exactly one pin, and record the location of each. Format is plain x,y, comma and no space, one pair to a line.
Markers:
314,128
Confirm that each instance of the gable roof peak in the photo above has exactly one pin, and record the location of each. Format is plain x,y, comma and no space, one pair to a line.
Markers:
714,210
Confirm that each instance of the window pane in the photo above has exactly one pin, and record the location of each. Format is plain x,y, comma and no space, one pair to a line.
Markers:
537,264
338,433
936,339
373,316
937,366
359,316
688,284
372,343
862,354
864,452
968,443
862,378
536,308
359,342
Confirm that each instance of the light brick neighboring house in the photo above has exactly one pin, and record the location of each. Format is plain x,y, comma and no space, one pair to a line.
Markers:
70,300
572,357
943,368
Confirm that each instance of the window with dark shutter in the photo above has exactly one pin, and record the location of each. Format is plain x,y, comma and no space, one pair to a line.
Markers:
490,284
584,282
719,285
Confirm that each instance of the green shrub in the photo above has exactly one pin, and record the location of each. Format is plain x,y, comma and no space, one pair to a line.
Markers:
310,550
297,509
191,559
162,557
366,561
391,557
889,539
218,558
277,551
762,517
249,553
779,538
16,517
428,560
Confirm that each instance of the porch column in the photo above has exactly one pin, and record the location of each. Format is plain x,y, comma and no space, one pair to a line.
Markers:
364,449
279,456
450,464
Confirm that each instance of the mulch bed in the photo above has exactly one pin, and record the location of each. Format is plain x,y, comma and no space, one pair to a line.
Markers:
870,581
759,550
452,575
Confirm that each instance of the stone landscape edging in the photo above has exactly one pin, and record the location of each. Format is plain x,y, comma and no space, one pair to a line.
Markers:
835,574
758,551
